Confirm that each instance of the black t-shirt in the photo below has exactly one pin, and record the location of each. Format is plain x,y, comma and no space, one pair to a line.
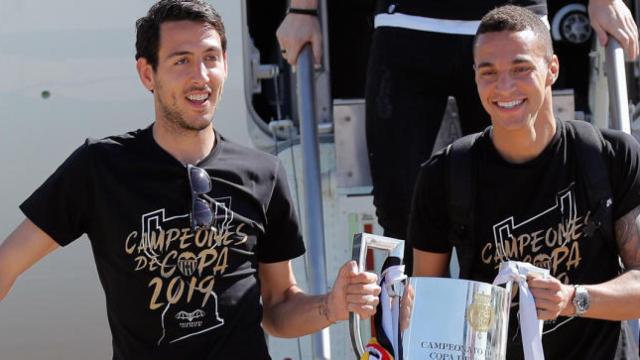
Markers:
455,9
536,212
172,293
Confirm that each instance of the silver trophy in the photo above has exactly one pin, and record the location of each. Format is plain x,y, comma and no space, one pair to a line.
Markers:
438,318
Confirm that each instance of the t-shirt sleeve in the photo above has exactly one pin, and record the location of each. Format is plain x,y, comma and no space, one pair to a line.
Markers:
282,236
60,206
428,220
625,171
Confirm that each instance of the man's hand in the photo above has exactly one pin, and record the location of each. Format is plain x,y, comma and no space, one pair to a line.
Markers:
294,32
552,297
614,18
352,291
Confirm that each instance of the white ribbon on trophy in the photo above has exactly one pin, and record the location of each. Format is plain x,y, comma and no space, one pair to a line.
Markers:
390,300
529,324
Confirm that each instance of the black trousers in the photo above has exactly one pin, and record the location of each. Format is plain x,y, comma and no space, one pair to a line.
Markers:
409,78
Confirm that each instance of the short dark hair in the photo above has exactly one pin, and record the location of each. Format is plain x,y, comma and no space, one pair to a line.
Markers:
515,18
148,27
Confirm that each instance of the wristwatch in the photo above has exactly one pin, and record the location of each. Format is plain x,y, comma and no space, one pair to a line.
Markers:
581,300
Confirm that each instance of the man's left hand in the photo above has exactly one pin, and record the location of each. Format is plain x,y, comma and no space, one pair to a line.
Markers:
353,291
552,297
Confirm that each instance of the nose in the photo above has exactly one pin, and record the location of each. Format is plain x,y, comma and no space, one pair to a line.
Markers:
200,73
505,82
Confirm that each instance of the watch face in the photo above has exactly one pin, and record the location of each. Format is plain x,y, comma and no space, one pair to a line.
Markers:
581,300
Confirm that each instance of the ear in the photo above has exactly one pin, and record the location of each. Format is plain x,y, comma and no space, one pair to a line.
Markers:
146,73
226,70
475,72
554,70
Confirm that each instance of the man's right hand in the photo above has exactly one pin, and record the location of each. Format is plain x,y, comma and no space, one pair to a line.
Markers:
613,17
553,298
294,32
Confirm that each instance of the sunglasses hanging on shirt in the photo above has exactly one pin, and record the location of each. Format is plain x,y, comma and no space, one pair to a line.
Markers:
200,184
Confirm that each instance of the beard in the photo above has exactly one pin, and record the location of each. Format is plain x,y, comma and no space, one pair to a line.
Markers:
175,117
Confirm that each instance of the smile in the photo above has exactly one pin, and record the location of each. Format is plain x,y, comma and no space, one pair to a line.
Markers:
509,104
198,98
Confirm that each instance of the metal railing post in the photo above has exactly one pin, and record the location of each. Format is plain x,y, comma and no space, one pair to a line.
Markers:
314,224
617,84
619,110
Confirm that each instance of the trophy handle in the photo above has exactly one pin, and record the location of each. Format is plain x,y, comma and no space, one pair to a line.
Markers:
361,243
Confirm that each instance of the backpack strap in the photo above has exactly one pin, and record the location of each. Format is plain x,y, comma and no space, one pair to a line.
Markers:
593,168
461,198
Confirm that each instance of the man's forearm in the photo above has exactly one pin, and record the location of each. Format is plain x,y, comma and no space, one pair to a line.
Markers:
5,285
289,312
7,278
617,299
26,245
300,314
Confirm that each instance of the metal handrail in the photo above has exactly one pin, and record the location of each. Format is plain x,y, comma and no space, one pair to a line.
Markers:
617,84
314,224
619,110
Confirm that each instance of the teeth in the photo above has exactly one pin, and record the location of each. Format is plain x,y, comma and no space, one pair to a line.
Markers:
510,104
198,97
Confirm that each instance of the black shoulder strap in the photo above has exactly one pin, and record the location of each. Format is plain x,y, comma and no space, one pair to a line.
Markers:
461,196
593,167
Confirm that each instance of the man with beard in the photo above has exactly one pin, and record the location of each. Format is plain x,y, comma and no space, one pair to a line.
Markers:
192,234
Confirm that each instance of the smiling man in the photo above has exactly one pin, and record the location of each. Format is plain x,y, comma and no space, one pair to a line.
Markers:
534,197
192,234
